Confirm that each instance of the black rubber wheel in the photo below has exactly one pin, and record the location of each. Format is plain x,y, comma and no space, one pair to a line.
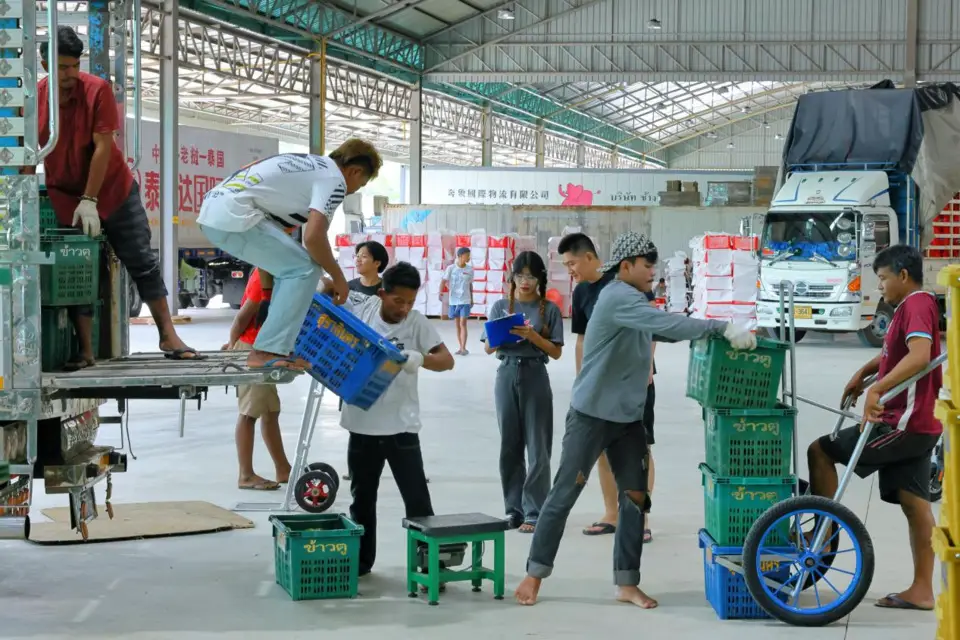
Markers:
936,474
198,302
234,305
315,491
774,333
755,581
185,300
327,469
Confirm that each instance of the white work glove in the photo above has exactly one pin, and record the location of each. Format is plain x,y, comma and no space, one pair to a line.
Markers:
740,337
414,361
87,217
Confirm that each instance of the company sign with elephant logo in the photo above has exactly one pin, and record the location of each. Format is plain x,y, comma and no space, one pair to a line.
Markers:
559,187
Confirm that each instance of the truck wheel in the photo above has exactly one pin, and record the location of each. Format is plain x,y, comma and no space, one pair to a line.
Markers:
234,305
136,304
198,302
873,335
185,300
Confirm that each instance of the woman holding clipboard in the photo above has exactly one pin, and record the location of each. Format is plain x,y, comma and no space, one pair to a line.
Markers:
524,331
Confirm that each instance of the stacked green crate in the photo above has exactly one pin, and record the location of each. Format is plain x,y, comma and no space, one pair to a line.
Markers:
72,280
748,435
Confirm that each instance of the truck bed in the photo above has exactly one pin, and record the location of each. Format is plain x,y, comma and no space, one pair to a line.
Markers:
153,370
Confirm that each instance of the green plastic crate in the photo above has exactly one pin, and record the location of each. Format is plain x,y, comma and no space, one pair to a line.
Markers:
48,217
317,556
56,338
75,276
721,377
731,505
750,443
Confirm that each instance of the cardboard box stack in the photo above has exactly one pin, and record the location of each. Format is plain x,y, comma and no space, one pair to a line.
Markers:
501,250
725,272
440,252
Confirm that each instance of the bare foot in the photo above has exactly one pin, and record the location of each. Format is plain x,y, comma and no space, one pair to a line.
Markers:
526,593
259,359
283,475
633,595
526,527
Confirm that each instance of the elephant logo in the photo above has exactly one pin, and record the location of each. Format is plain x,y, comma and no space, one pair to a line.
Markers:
576,196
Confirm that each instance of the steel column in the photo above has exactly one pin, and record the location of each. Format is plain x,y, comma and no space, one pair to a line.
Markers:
416,146
910,54
169,151
486,150
541,139
318,99
581,154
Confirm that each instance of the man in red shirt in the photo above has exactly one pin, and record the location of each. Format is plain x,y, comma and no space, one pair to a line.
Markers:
256,401
91,186
905,430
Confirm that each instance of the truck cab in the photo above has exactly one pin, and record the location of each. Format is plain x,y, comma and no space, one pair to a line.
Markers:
821,233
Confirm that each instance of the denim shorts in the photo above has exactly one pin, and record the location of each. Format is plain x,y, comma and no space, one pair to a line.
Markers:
459,311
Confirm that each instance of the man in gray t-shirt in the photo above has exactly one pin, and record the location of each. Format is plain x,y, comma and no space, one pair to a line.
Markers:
606,413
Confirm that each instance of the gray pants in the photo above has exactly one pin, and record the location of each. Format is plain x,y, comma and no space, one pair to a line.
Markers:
524,402
583,441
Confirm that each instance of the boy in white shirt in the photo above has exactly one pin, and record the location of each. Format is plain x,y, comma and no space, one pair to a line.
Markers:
387,432
459,277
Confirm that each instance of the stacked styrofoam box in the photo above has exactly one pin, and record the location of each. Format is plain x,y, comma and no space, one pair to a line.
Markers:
500,253
676,279
476,241
725,272
440,251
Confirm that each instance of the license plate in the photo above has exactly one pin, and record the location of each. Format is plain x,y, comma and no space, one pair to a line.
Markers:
236,274
803,313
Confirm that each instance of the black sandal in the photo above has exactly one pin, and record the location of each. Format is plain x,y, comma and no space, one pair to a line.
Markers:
177,354
77,365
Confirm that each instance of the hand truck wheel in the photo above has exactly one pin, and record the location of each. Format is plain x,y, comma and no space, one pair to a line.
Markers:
327,469
315,491
778,564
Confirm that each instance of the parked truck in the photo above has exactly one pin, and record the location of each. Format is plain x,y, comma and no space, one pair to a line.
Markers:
862,170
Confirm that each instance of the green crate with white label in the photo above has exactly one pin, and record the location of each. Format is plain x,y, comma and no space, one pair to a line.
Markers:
750,443
74,277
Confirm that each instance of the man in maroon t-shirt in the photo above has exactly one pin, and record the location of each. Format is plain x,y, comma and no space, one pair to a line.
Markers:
91,186
905,430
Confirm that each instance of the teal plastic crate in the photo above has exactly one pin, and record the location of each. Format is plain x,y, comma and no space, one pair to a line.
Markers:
48,217
56,338
750,443
317,556
721,377
74,278
731,505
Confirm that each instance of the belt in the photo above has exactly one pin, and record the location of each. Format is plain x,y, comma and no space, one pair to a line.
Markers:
523,360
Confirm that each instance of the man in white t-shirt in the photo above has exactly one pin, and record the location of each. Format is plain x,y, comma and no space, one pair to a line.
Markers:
247,213
387,432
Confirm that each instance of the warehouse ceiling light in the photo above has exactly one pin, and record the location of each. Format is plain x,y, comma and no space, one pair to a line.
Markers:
654,25
506,14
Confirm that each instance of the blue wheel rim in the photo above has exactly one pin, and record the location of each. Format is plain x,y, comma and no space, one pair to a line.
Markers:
802,561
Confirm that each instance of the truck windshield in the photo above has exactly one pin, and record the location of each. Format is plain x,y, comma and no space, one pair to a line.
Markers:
827,236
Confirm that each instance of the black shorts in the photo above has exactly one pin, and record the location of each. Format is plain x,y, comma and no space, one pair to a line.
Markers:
901,458
648,413
128,231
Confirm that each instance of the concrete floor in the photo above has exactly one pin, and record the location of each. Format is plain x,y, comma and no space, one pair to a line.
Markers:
222,585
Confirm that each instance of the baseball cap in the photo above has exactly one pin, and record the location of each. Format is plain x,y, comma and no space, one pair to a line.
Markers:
631,244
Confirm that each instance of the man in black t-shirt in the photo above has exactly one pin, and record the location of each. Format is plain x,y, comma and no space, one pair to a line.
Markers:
580,257
371,259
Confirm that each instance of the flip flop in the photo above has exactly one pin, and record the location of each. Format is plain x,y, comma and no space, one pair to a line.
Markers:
77,365
647,535
177,354
600,529
265,485
527,527
894,601
270,365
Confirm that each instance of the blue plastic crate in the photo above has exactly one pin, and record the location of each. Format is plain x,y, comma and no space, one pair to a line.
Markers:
726,590
348,357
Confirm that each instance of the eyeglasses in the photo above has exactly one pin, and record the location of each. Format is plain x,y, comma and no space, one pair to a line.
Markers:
520,277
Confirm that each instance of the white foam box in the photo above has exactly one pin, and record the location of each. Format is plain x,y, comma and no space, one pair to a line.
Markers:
434,280
346,258
421,297
715,283
493,296
438,257
437,307
479,287
478,257
421,308
423,277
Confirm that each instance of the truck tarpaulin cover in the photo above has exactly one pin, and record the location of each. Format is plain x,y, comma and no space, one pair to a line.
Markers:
915,130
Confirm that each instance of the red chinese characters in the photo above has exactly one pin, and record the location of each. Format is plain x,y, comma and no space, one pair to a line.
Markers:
151,191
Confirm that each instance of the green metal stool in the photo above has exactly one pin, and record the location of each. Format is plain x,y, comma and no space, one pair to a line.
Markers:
435,543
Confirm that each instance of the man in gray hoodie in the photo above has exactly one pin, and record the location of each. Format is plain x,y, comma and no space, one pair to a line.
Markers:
606,412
